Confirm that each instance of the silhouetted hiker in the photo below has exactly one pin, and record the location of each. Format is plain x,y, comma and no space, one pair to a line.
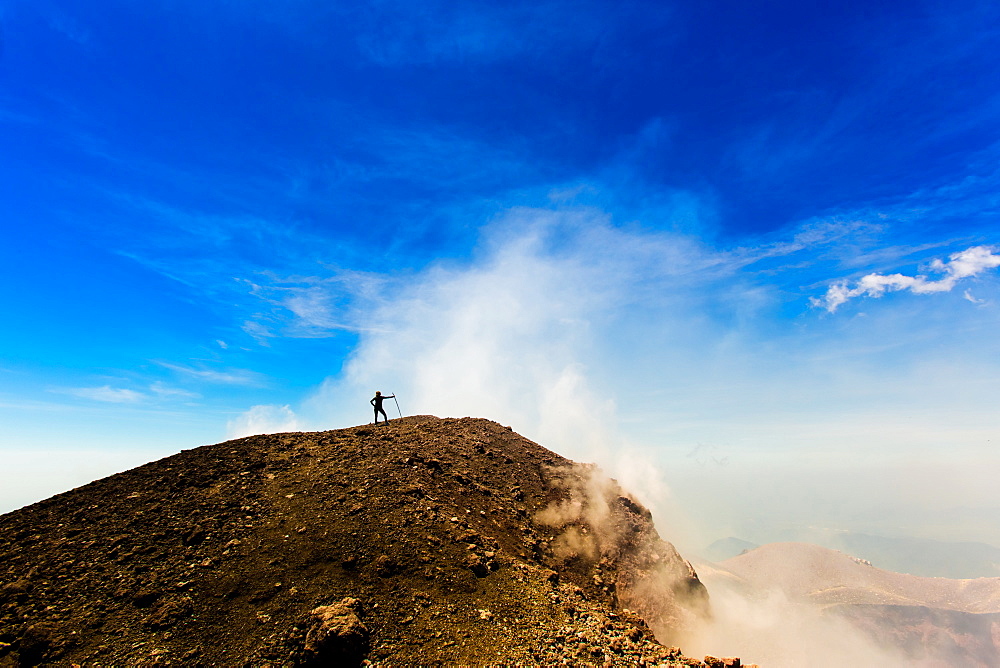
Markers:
377,403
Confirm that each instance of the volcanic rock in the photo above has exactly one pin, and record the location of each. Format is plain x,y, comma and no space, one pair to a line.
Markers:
423,541
336,635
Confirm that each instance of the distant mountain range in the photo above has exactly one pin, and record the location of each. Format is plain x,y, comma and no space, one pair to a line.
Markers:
932,621
916,556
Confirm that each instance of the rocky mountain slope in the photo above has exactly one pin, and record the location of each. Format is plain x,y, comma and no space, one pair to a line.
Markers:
932,621
424,541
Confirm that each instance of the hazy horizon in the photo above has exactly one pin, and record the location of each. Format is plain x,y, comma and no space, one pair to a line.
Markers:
745,259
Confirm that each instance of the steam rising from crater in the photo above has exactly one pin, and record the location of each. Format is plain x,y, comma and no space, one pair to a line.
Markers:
597,523
776,632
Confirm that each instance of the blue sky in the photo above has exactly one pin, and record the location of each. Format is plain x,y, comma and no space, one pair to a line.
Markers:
751,245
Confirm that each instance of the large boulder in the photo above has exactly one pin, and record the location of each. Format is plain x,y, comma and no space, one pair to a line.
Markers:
336,635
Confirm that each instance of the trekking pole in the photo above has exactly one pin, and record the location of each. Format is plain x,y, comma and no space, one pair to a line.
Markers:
397,406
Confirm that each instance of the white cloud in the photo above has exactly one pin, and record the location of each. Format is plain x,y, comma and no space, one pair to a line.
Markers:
309,306
259,332
226,377
969,297
969,262
105,393
628,348
263,419
166,392
120,395
576,331
312,307
530,333
965,264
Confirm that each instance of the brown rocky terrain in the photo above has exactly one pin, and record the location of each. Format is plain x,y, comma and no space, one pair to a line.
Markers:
425,541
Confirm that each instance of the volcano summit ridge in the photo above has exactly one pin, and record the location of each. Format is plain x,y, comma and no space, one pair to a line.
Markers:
423,541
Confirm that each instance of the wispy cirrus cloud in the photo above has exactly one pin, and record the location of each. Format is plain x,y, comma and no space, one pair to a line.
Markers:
959,266
157,391
260,333
224,377
311,306
105,393
312,302
164,391
969,297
